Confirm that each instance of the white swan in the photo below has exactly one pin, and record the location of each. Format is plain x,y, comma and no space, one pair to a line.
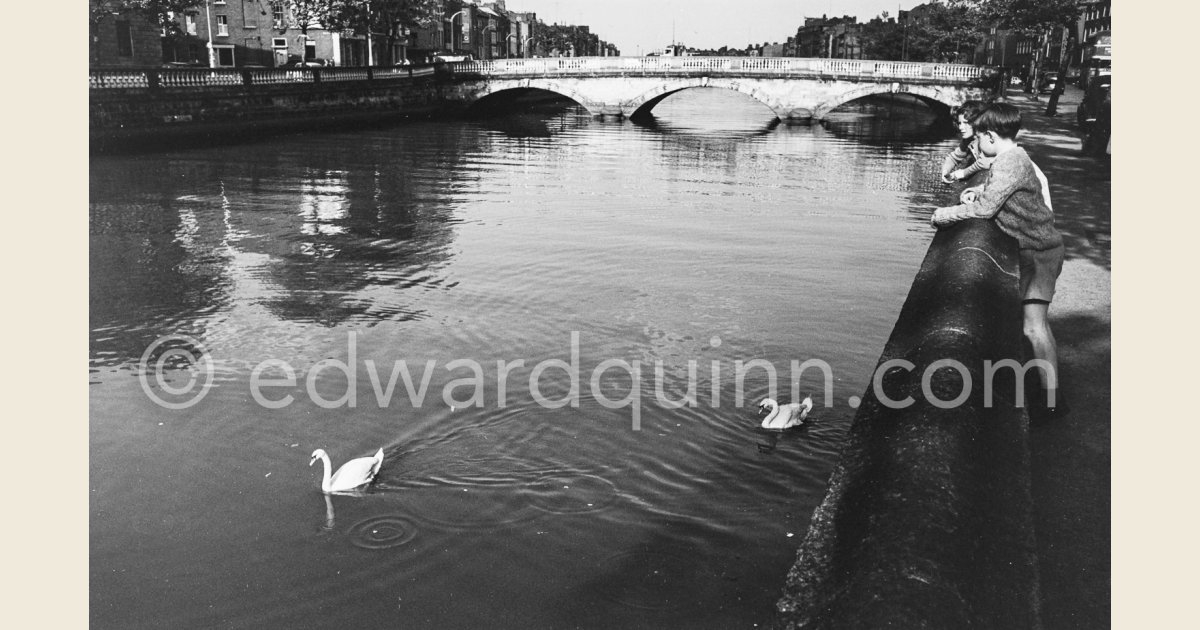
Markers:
352,474
787,416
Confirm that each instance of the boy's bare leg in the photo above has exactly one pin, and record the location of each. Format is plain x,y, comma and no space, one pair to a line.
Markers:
1037,330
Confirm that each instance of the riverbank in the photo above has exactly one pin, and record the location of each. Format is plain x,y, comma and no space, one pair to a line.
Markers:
1070,458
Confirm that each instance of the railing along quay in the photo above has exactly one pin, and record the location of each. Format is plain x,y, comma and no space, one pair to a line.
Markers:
774,67
235,77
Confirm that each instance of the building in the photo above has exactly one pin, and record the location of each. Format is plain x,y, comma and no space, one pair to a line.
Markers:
122,39
828,37
810,38
1095,38
490,31
220,34
771,49
265,33
844,40
1006,49
1096,18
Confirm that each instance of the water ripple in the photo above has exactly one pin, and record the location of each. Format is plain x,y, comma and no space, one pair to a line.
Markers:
382,532
572,493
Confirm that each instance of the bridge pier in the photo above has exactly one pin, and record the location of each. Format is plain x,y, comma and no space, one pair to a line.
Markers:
797,115
607,110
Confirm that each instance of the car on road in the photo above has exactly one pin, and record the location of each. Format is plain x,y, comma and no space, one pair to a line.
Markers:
309,63
1048,83
450,58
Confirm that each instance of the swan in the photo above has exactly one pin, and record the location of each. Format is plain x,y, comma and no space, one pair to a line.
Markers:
787,416
352,474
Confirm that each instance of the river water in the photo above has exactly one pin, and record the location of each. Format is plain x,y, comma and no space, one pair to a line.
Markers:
251,303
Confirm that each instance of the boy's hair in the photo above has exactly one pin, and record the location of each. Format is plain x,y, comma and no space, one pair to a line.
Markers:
1002,118
970,110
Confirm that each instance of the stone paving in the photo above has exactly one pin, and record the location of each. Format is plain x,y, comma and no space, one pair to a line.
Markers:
1071,457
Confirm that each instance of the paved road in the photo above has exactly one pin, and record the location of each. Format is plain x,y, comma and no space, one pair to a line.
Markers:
1071,458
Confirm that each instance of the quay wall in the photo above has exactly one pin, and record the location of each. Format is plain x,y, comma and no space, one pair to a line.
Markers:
927,522
168,116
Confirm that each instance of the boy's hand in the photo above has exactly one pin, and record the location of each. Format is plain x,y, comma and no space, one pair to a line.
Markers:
941,217
969,195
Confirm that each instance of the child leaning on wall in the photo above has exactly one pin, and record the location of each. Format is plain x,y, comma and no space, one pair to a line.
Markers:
965,160
1015,197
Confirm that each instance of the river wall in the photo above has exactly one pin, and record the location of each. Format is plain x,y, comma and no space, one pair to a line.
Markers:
147,115
927,522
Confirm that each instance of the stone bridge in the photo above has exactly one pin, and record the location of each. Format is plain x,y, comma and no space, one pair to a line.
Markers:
793,88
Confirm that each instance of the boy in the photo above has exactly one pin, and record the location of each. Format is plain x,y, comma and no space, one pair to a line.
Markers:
1013,196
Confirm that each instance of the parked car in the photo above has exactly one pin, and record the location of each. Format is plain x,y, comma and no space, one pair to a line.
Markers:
309,63
1095,115
1048,83
450,58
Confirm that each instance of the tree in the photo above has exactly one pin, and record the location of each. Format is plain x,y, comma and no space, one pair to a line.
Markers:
882,40
310,13
940,33
558,37
160,12
1035,18
374,18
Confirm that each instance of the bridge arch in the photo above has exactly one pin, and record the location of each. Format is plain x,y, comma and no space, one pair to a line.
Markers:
939,98
549,85
642,104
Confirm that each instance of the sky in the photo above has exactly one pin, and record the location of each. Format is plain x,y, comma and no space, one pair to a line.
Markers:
639,26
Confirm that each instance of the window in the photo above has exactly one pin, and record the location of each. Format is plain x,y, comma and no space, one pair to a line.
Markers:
250,14
124,39
277,15
279,42
224,56
223,25
189,23
310,50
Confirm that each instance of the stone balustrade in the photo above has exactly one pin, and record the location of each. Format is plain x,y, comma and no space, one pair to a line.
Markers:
159,78
772,67
716,66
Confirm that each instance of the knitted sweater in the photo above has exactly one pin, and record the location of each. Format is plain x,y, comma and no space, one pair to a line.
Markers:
1013,195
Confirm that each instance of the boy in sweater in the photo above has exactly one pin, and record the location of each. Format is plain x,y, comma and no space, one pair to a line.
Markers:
1012,196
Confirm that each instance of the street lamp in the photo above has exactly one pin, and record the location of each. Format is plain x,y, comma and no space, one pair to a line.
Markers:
525,44
507,51
485,44
212,52
453,43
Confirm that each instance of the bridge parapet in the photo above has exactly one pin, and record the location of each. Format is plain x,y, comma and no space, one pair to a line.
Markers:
773,67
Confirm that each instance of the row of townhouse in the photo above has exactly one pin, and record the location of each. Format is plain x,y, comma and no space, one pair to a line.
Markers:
844,38
264,33
1031,55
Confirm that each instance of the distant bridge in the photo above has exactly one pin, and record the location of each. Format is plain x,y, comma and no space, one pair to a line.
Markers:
793,88
149,105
